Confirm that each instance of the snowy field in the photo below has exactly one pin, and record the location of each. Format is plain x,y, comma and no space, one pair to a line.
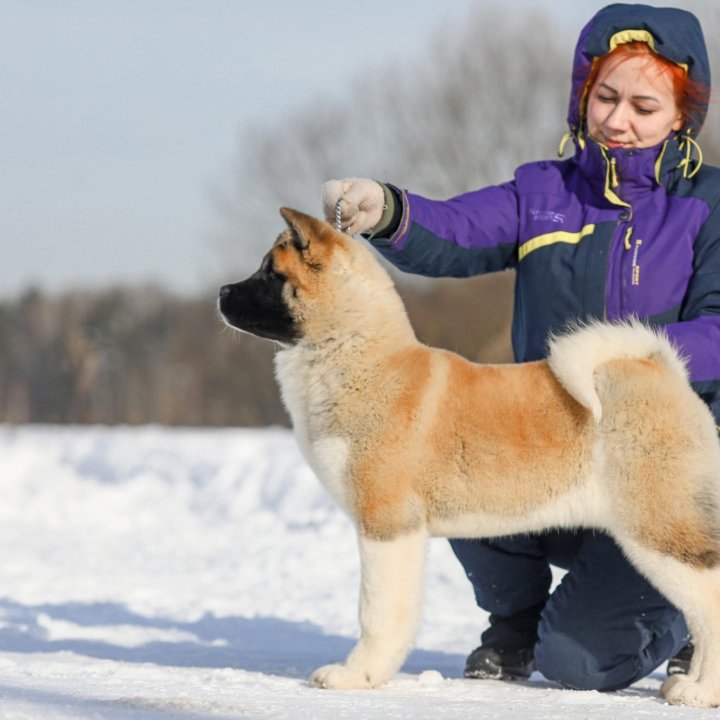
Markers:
156,574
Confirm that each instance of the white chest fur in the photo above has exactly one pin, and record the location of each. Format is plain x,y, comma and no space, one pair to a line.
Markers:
305,395
328,457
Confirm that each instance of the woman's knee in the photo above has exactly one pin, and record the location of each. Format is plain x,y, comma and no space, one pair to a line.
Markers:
578,654
565,660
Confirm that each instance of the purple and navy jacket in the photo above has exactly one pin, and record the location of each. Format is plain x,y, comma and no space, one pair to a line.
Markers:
606,234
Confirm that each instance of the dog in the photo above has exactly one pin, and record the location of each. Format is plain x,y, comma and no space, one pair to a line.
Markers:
414,442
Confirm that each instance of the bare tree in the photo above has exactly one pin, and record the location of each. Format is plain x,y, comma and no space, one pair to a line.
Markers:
479,104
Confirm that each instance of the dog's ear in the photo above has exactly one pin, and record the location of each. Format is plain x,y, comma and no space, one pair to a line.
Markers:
305,228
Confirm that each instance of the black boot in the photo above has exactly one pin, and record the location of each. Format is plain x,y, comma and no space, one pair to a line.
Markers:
486,663
679,664
507,649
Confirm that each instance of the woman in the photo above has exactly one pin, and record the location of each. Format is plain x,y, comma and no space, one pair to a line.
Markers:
630,225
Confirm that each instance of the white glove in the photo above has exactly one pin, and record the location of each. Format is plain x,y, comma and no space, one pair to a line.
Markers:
362,206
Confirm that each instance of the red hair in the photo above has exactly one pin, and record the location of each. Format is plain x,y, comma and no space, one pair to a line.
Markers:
691,97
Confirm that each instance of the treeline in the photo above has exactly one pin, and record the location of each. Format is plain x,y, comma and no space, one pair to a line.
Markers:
143,355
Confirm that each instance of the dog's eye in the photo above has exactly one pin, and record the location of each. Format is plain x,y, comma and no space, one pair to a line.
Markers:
269,269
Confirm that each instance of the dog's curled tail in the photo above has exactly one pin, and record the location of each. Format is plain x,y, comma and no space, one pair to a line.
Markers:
576,354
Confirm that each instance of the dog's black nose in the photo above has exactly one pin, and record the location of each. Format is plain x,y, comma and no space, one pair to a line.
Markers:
225,290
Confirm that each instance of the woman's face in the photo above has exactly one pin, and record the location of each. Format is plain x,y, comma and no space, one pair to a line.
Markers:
632,105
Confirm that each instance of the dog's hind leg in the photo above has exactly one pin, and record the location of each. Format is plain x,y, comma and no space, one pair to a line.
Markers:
696,592
701,686
390,610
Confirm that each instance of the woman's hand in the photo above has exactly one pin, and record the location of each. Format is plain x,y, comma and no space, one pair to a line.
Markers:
362,206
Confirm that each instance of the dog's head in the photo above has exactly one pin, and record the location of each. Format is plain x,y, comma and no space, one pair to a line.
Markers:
305,286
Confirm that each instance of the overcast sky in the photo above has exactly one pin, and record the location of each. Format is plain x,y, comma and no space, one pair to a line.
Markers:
117,116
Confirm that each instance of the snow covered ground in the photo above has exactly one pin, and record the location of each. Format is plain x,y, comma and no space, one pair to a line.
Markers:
156,574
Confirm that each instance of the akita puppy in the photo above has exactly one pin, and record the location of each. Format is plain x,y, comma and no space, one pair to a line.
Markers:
414,442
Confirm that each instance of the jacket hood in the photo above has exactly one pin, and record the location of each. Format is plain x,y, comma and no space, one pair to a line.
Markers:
675,34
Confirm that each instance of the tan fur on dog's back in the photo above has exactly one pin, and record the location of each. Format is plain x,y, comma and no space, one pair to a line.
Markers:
521,447
467,439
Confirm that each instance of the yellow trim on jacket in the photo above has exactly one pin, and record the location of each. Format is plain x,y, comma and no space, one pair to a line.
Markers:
573,238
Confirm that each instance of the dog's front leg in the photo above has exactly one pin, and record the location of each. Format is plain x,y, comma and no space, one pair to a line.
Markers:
390,608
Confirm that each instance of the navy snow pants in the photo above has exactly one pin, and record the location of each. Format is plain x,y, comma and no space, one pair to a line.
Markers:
603,627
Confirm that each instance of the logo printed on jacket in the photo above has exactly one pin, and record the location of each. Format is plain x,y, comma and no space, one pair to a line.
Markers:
547,215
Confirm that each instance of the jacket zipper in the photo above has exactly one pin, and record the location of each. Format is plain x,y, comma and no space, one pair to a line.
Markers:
612,181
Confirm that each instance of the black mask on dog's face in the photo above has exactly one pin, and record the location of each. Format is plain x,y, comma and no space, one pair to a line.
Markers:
256,305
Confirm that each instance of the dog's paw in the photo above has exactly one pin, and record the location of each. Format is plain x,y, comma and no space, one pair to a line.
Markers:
681,690
339,677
